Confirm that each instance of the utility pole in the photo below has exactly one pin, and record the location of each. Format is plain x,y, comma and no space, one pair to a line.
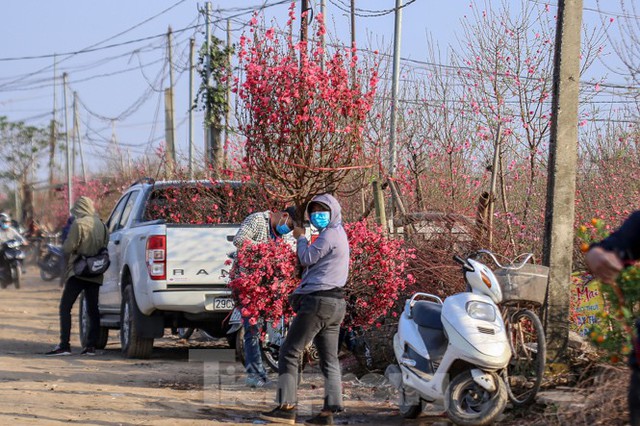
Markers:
208,148
561,184
323,10
397,35
394,87
353,38
76,131
304,19
192,49
114,141
169,109
227,116
494,179
66,135
53,134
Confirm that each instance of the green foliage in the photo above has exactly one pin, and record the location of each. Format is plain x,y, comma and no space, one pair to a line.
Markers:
20,146
614,331
213,99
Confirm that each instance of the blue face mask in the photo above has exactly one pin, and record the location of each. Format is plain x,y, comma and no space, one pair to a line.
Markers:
283,229
320,219
5,225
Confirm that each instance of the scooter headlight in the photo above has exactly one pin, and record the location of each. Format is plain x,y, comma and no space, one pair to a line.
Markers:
481,311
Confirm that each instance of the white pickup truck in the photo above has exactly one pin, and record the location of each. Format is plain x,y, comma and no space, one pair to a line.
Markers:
165,273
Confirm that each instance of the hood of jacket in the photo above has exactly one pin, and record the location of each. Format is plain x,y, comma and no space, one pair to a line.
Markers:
83,207
334,207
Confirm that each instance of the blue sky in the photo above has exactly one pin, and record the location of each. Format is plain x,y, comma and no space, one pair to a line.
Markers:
122,78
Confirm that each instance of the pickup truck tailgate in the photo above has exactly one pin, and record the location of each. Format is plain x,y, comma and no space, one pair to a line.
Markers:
196,255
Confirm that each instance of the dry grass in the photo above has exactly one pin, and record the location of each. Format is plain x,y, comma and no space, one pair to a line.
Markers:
604,389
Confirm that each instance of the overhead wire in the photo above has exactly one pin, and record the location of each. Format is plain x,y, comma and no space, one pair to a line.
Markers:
89,48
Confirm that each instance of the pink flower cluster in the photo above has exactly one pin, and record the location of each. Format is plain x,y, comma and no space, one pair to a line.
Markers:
268,274
264,278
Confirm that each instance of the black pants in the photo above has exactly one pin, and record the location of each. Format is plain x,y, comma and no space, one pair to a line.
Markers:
320,318
72,290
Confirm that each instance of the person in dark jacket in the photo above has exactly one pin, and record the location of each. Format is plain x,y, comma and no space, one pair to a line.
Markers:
606,259
87,235
320,308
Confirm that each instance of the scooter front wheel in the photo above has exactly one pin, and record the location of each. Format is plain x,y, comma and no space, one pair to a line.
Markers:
16,275
468,403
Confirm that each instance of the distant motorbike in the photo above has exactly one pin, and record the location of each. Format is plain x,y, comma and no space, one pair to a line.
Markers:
11,259
52,263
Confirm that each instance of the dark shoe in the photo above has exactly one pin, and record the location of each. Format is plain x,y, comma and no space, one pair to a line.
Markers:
320,420
58,351
89,351
280,415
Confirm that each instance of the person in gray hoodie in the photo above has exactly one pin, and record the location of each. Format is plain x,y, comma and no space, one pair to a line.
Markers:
320,308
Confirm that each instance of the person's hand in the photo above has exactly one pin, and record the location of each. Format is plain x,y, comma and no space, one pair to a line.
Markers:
297,232
604,265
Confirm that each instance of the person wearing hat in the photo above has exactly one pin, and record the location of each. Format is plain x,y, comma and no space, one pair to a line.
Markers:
319,304
259,228
87,235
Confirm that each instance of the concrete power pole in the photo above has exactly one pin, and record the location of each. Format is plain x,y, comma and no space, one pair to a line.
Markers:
393,155
323,10
397,35
169,109
560,209
53,133
76,137
192,50
353,37
68,148
304,19
227,115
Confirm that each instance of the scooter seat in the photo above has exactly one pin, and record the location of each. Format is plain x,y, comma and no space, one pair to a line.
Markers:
427,314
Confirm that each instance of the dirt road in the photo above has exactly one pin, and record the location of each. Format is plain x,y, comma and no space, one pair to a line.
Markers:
183,383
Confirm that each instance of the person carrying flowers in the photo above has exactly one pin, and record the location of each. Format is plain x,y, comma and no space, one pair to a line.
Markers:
320,307
259,228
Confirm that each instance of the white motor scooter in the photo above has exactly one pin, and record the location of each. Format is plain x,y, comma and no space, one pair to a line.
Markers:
452,352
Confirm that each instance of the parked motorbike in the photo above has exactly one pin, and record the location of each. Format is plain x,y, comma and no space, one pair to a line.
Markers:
52,263
11,259
453,352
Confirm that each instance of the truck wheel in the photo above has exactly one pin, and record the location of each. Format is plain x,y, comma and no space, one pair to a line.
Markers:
83,326
133,345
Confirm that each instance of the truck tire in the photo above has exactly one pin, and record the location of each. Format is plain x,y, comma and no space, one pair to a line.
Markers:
83,326
133,345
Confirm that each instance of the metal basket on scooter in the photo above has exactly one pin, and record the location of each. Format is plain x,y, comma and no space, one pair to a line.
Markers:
527,284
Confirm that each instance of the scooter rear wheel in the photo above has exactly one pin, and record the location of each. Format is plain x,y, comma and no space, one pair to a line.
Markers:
529,351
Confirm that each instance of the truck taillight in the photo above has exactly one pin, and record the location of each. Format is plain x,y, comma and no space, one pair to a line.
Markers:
157,257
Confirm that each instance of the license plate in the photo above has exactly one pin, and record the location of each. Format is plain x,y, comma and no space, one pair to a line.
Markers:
223,304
